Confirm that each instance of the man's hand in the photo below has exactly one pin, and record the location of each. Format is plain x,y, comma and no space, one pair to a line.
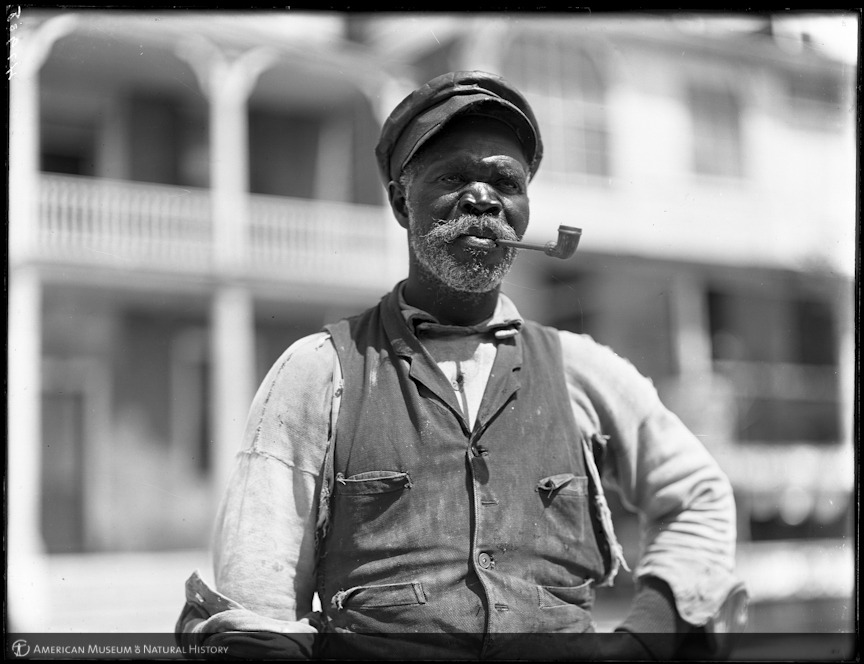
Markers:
620,646
214,625
239,633
653,630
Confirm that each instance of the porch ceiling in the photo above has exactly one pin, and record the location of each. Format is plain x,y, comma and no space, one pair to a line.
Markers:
314,66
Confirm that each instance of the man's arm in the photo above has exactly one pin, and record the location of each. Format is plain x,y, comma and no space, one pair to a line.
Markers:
687,512
264,541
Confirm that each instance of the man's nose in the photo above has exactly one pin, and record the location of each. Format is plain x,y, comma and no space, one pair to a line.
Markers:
478,198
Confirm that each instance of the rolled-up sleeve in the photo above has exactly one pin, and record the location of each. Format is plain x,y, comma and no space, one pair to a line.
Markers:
664,473
264,539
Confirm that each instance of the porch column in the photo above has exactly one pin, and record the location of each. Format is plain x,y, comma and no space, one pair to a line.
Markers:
26,575
333,175
845,307
487,50
704,401
228,80
383,98
26,547
690,327
233,362
28,49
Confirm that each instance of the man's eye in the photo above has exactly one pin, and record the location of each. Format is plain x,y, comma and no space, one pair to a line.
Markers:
451,178
507,184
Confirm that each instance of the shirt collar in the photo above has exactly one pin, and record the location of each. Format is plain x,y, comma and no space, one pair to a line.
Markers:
504,322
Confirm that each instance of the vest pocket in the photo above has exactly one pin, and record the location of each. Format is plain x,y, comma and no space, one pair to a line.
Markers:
554,597
370,504
391,594
563,484
565,508
372,482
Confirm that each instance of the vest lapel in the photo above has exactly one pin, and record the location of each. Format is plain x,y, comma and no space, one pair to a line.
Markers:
423,368
504,380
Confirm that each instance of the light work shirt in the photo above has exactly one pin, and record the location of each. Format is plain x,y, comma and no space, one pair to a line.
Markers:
264,542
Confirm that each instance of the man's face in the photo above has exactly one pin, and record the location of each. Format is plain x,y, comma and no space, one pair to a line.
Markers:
469,186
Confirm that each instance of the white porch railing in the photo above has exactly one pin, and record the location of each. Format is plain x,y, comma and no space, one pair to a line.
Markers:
317,241
137,226
124,224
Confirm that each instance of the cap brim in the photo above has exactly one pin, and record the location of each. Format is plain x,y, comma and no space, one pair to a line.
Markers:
429,123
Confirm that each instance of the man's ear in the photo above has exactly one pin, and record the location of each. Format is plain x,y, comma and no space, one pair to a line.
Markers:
398,203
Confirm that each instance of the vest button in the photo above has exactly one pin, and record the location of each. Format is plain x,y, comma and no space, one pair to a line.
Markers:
485,560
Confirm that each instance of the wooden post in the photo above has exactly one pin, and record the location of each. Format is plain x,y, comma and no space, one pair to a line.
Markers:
228,81
26,577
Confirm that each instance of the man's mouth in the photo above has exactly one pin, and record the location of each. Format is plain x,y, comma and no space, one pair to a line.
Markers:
475,242
468,232
477,238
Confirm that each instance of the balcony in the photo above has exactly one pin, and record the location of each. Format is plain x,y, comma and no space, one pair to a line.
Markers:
91,222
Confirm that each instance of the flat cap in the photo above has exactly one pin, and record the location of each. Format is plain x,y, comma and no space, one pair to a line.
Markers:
424,112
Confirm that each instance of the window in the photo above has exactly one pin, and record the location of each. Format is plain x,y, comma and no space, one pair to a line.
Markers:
815,100
63,523
779,351
283,152
190,402
567,92
155,132
716,117
168,140
68,145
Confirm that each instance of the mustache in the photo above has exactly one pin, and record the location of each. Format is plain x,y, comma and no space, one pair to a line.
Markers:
447,230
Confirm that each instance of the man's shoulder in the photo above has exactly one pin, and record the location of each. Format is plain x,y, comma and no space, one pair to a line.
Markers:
582,342
585,356
309,357
372,316
608,378
572,342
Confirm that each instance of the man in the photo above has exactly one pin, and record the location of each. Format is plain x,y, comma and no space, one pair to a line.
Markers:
432,465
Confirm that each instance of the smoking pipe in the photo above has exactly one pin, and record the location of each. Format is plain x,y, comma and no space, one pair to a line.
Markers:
565,247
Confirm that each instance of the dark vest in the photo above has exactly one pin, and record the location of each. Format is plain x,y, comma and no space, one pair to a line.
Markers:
439,528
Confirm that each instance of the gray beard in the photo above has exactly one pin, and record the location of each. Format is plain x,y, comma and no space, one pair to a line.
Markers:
472,276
